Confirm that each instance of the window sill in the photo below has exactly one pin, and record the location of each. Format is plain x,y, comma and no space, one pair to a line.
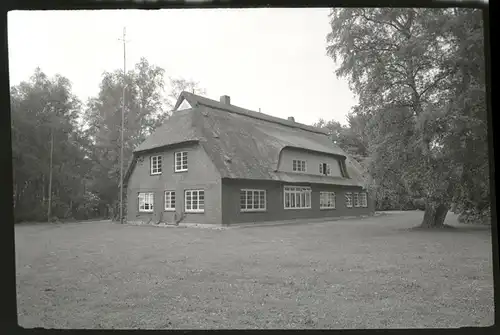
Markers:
297,208
180,170
326,208
170,210
146,212
252,210
194,212
154,174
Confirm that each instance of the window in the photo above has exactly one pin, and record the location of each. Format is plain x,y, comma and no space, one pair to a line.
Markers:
195,201
326,200
170,200
155,164
363,199
252,200
297,197
146,201
356,199
324,169
181,161
348,200
298,165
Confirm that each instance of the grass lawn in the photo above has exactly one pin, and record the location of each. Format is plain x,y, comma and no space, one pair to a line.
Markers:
359,273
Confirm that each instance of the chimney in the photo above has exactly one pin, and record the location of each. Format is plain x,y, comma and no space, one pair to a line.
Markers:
225,99
291,118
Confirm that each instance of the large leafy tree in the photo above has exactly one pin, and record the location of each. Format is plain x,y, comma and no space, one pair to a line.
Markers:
147,104
350,138
48,157
144,111
419,76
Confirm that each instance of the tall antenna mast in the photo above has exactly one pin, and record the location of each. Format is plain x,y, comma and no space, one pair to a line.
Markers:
123,121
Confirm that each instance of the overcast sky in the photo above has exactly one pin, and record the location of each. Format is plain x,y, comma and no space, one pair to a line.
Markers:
272,59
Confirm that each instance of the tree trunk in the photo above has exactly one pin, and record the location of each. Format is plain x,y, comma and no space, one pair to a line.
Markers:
49,207
43,190
434,215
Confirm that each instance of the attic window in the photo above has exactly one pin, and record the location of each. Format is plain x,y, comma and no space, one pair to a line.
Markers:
324,168
184,105
298,166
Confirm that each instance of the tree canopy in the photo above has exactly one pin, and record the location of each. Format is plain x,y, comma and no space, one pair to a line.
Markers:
419,77
81,169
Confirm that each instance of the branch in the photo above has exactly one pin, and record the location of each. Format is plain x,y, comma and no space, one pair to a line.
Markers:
437,81
380,22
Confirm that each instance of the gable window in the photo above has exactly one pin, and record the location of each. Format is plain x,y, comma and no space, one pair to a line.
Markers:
146,201
348,200
327,200
298,165
194,201
297,197
356,199
170,200
324,168
252,200
155,164
181,161
363,199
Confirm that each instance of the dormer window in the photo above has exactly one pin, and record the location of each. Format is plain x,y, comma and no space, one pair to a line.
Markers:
155,164
298,165
181,161
324,169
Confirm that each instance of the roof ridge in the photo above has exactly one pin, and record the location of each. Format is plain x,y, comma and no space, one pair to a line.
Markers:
253,114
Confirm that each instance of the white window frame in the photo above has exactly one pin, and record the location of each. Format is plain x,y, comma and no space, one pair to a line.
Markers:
143,200
327,200
253,192
169,204
179,165
299,165
155,163
364,199
355,199
200,206
299,194
348,200
328,169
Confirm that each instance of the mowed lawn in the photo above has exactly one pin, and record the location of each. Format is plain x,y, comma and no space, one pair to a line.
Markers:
358,273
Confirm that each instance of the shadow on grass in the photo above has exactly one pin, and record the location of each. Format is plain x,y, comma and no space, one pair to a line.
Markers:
450,228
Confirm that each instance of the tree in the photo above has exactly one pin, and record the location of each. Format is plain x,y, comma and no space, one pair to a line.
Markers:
146,108
412,70
46,176
177,85
353,139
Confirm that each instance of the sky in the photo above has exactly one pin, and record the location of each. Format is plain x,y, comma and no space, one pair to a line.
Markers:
273,59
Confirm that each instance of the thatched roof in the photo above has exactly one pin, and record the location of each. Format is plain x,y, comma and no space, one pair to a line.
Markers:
244,144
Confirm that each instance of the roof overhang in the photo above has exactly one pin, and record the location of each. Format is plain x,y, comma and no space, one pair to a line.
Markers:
167,146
